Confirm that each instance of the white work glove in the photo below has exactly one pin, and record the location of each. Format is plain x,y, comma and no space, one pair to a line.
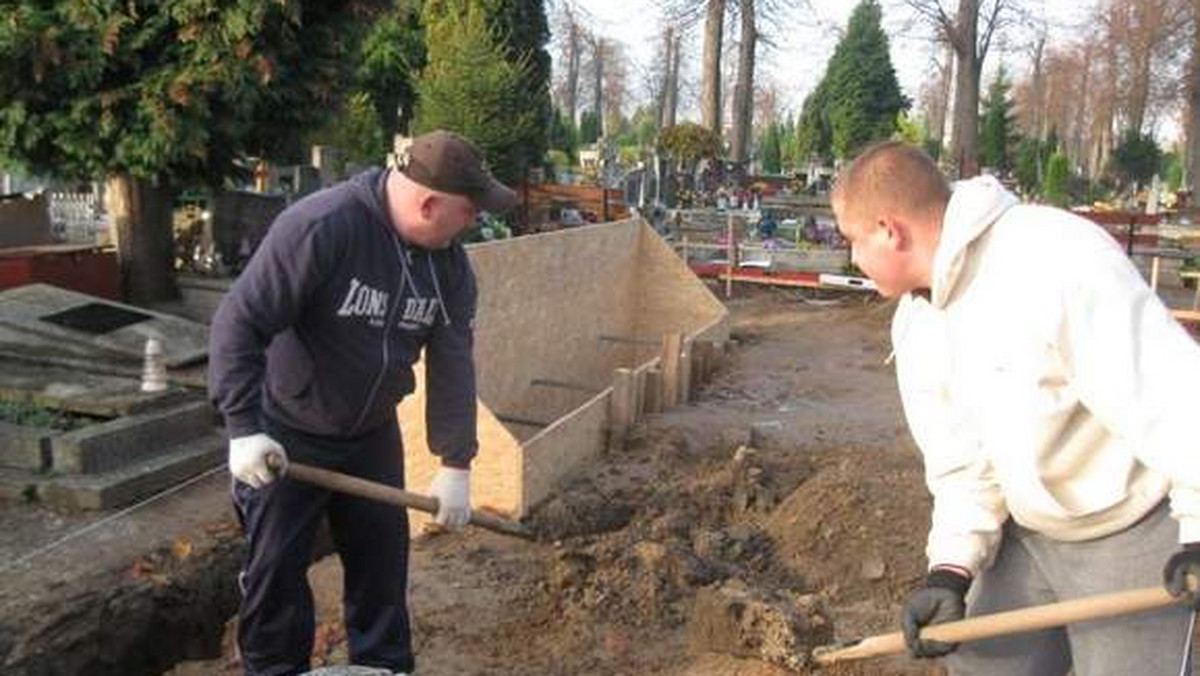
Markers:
248,459
452,488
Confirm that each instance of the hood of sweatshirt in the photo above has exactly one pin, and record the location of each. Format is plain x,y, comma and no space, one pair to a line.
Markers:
974,206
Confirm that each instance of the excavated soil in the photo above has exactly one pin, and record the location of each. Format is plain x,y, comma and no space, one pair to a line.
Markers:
782,509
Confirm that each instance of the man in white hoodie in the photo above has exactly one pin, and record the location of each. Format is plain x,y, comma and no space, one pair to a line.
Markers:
1051,395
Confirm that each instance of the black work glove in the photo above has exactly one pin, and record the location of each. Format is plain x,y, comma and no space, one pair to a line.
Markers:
1183,563
942,599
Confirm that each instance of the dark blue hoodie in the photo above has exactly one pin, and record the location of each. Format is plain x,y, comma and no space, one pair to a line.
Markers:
322,328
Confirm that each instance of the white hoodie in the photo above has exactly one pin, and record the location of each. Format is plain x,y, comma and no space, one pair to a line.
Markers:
1044,380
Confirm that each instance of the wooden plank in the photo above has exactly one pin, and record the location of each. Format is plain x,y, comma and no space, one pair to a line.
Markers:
517,420
563,384
653,391
772,281
1190,316
672,348
701,363
621,405
685,372
730,257
627,340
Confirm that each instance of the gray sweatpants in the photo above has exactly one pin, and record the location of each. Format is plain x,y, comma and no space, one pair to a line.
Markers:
1031,569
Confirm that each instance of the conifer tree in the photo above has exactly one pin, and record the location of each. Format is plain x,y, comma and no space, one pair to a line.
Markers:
996,128
521,31
152,95
858,98
469,86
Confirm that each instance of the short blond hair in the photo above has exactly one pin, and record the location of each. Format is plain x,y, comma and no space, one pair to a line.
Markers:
892,176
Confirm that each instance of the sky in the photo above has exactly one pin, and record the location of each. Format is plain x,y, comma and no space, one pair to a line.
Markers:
807,39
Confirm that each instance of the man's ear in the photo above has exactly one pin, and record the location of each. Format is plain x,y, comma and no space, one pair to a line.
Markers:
426,205
898,235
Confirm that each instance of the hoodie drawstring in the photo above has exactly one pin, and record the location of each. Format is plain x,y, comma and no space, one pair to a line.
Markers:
437,289
405,256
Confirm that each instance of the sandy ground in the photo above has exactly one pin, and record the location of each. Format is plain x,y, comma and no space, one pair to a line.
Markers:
829,509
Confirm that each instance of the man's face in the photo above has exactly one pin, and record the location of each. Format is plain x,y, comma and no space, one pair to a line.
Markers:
876,248
443,218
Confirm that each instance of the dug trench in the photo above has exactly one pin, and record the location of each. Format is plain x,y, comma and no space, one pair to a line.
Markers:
780,510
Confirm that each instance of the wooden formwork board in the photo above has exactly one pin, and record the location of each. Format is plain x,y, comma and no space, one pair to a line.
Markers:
564,307
544,302
560,450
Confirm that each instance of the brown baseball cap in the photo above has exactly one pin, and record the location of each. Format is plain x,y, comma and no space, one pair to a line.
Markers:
447,162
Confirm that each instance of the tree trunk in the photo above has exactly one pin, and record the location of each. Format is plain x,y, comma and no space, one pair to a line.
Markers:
598,84
145,239
676,59
571,95
1079,126
965,143
743,91
1193,128
1038,121
940,108
710,103
670,93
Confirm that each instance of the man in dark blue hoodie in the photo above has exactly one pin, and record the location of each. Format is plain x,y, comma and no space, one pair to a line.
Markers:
310,352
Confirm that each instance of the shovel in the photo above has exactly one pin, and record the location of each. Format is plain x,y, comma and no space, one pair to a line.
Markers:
352,485
1009,622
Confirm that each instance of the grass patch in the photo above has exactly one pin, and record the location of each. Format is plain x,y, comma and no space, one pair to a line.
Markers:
32,415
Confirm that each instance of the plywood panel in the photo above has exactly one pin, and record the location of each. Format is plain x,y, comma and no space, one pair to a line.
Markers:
544,301
672,298
564,448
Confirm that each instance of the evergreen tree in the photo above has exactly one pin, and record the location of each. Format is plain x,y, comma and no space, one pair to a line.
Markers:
470,87
1028,166
151,95
770,152
563,136
997,127
1058,179
814,136
858,98
522,31
589,128
1136,158
865,93
911,130
392,56
788,147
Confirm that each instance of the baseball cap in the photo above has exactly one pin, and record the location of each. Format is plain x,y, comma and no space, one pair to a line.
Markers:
447,162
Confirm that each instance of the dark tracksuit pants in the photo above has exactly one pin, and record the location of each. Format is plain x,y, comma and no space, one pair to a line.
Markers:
276,625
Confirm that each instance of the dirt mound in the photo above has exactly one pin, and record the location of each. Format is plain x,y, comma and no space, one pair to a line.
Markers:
857,535
784,508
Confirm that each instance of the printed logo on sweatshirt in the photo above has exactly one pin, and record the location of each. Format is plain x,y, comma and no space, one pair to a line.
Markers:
363,301
419,313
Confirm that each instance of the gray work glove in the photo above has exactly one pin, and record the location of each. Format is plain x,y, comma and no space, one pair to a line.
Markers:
1183,564
942,599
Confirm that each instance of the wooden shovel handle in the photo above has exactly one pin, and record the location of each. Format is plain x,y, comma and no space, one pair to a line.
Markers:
1010,622
352,485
